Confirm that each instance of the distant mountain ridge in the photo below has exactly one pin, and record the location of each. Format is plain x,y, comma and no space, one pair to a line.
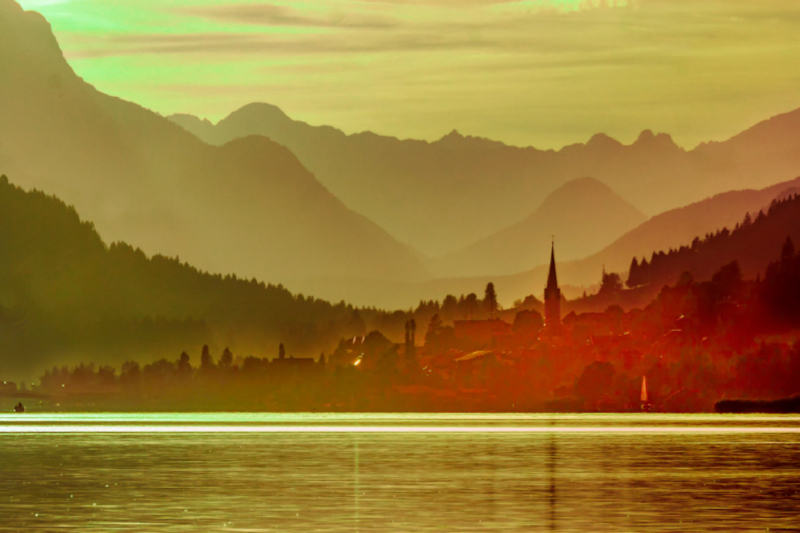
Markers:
248,206
446,195
679,227
668,230
583,216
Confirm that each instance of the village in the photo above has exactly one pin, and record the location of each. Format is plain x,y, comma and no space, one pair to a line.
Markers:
694,345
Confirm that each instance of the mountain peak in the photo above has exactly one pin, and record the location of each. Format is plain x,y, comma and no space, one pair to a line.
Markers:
261,111
584,194
602,141
645,136
455,140
648,137
10,5
585,214
27,40
585,185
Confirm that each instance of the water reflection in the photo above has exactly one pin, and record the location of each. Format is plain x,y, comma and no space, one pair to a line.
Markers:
551,469
552,480
356,487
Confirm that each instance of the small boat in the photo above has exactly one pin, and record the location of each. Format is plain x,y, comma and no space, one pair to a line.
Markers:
19,408
646,406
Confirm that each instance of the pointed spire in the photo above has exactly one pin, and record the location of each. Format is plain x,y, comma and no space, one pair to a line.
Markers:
552,279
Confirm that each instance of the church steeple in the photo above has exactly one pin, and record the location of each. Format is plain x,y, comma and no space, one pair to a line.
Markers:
552,278
552,296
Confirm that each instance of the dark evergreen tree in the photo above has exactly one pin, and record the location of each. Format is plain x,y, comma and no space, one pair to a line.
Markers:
634,278
206,363
226,361
470,305
490,299
787,252
431,336
449,308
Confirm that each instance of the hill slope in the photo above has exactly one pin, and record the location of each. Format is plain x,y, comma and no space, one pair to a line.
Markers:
445,195
669,230
584,215
753,244
248,207
678,227
66,297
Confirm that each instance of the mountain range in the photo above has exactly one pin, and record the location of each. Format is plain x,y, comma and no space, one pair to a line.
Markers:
371,219
446,195
583,216
672,229
248,207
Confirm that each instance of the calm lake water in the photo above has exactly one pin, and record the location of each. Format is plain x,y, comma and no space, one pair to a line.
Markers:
385,473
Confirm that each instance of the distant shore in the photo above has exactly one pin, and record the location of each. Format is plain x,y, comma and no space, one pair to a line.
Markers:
783,406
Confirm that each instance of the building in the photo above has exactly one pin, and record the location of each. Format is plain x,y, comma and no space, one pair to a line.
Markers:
552,297
481,332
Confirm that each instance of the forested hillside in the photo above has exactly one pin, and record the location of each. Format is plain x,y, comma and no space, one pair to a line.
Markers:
65,295
753,243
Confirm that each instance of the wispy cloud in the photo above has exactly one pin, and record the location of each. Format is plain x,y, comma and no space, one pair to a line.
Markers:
236,44
570,68
281,15
331,30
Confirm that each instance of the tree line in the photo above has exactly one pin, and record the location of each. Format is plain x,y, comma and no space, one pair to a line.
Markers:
751,243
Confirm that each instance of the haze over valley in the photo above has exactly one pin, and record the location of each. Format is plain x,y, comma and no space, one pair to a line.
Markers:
249,207
367,219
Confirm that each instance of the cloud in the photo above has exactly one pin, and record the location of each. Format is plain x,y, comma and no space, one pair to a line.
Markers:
235,43
511,33
537,71
279,15
565,5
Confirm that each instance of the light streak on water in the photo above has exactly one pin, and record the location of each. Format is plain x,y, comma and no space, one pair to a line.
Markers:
68,428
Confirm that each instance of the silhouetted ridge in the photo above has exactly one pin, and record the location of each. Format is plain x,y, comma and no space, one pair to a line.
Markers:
456,141
772,136
584,213
195,125
260,111
601,141
752,244
463,189
141,178
77,295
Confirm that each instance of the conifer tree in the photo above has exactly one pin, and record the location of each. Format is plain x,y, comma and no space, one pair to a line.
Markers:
633,275
490,299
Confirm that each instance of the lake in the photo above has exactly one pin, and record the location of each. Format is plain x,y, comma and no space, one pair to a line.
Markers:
398,473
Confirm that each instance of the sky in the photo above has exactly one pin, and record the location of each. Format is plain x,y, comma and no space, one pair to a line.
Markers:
546,73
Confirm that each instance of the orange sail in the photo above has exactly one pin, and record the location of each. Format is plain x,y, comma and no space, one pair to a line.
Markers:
644,389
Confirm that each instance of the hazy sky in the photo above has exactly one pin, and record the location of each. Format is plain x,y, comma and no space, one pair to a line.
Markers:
540,72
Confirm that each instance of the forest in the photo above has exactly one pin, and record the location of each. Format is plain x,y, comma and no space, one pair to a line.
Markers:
66,297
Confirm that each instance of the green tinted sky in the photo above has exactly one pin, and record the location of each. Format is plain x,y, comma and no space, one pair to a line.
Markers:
541,72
